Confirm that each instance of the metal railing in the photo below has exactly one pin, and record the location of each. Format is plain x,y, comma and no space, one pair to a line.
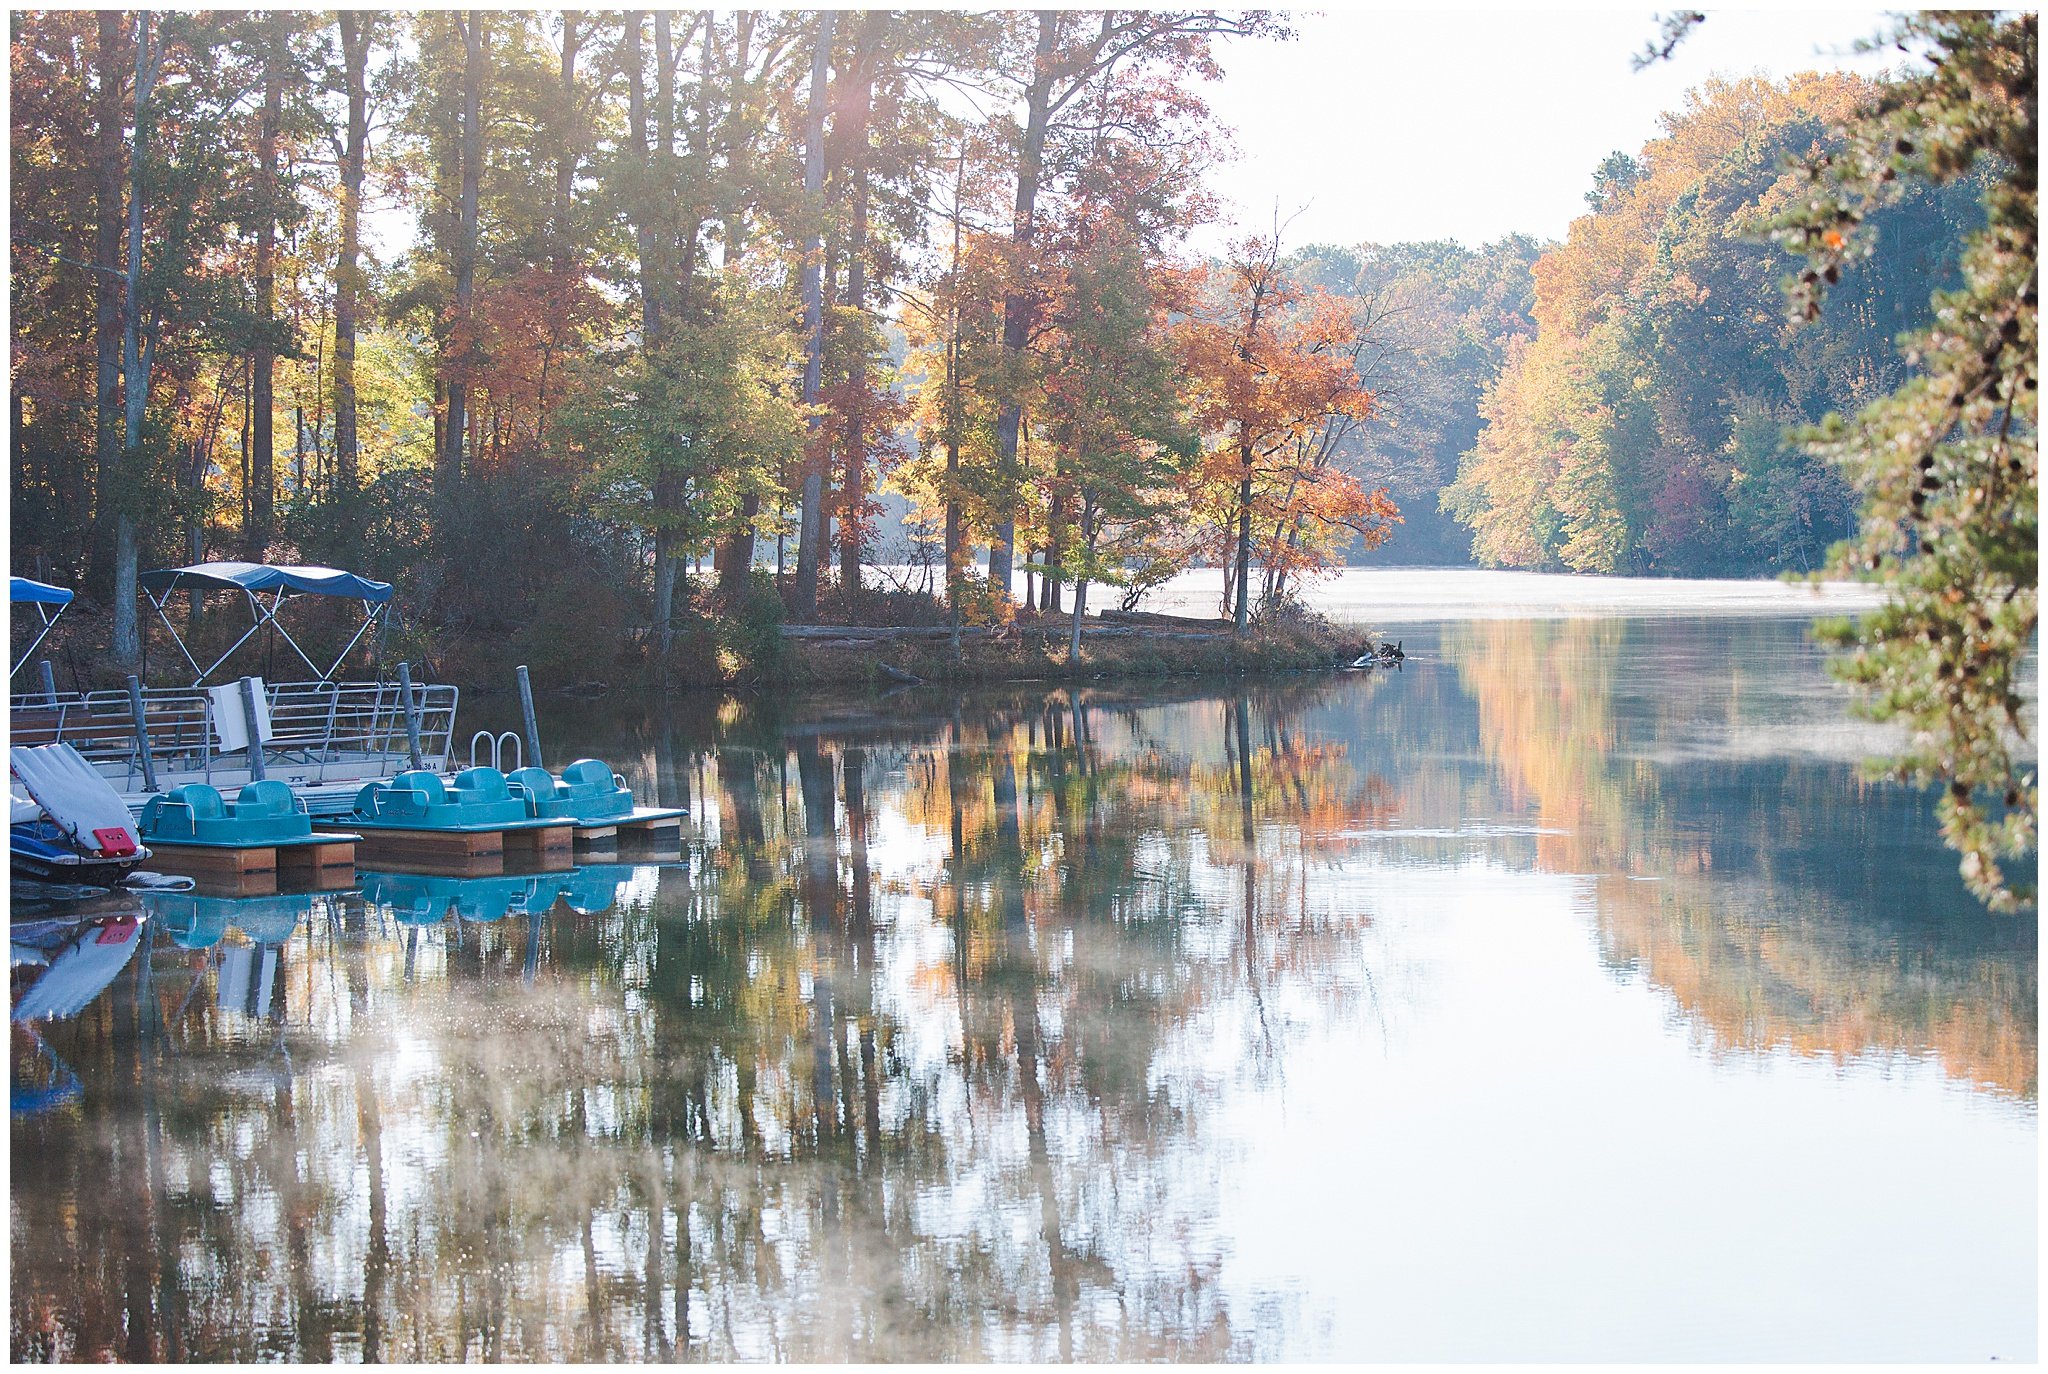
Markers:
320,732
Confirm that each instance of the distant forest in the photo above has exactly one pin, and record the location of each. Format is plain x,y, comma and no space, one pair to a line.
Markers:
534,311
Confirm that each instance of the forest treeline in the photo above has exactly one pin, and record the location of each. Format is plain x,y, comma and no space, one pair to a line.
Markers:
529,310
1649,424
532,310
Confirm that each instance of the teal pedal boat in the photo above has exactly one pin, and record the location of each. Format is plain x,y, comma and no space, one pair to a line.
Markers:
478,799
265,813
588,794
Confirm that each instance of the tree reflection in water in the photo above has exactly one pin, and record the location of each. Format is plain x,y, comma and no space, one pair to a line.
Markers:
1783,903
922,1057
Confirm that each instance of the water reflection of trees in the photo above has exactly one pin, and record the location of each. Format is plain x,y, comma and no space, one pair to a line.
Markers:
1782,902
920,1055
898,1068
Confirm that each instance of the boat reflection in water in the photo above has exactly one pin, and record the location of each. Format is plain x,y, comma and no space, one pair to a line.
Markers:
1369,1016
58,968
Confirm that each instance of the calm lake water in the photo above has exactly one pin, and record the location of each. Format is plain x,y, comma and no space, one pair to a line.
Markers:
1562,995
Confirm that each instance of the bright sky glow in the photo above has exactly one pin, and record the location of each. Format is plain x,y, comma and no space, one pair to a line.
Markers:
1399,124
1381,125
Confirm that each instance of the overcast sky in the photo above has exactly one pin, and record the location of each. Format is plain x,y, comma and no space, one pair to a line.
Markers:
1403,124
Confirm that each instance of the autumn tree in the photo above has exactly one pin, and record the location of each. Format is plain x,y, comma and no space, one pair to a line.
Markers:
1272,365
1080,74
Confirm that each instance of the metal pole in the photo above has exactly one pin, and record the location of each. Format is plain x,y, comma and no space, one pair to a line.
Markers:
252,720
526,709
412,716
49,677
141,730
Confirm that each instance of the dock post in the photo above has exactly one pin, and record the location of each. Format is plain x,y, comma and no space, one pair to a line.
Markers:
526,709
49,677
141,729
254,722
412,716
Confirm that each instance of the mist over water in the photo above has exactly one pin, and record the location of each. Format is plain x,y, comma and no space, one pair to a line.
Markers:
1401,596
1561,995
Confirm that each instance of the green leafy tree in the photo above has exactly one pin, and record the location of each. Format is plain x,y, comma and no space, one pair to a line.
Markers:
1947,462
679,435
1113,415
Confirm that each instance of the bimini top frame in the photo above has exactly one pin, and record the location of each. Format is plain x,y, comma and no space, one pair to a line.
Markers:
49,602
266,587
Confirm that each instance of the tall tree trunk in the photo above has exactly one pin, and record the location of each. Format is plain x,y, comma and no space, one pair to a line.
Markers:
665,157
1081,582
1055,536
810,531
565,150
652,243
138,356
737,553
348,280
667,568
1242,614
448,472
853,443
263,456
108,156
956,556
1017,305
1245,347
643,221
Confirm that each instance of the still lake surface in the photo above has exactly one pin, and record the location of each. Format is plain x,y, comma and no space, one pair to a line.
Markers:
1561,995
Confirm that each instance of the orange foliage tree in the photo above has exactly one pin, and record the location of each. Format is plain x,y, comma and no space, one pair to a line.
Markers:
1273,376
515,353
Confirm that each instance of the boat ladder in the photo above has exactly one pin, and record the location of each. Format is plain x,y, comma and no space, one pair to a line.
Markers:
496,755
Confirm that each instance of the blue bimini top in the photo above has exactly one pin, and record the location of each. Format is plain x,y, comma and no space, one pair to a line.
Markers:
20,589
264,577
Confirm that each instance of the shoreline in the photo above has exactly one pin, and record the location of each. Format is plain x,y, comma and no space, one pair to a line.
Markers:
744,646
881,659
